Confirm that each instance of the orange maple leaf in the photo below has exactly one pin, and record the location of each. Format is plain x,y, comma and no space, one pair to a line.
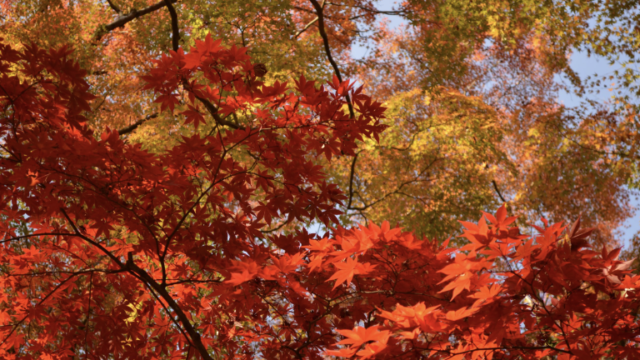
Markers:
249,269
360,335
346,272
348,269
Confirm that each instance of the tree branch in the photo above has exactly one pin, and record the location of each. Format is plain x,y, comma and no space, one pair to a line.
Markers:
213,110
353,170
495,186
34,235
175,37
151,283
306,27
184,320
121,21
114,7
325,39
135,125
139,273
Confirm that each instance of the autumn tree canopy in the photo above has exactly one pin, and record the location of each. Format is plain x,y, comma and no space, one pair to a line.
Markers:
471,90
112,251
175,184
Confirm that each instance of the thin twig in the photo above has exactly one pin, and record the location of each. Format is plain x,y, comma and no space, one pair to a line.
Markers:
90,241
86,327
274,229
306,27
495,186
396,191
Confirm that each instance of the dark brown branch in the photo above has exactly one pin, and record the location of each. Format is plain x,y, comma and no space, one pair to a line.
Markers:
327,49
213,110
90,241
175,37
34,235
114,7
121,21
13,329
135,125
152,284
274,229
184,320
353,170
173,320
495,186
97,73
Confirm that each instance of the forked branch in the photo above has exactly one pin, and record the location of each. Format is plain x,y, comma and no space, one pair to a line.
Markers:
121,21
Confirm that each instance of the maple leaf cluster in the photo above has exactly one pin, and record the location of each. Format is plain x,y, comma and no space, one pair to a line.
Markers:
109,250
502,296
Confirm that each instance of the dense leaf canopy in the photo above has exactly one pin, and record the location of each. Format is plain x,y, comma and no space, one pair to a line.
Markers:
168,169
471,89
